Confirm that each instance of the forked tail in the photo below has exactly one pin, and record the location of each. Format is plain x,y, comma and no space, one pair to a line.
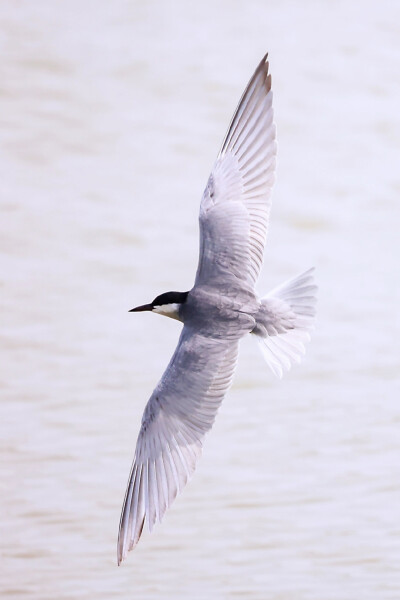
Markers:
285,320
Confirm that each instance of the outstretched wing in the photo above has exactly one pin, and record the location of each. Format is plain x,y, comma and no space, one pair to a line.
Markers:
235,207
179,413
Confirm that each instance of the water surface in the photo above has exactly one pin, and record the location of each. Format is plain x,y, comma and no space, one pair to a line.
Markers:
111,117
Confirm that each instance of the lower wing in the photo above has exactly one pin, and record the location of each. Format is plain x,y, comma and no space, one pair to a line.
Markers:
179,413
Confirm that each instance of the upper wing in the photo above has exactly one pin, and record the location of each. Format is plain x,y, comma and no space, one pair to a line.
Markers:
179,413
234,210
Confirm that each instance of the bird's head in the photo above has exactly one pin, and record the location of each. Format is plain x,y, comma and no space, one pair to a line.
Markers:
167,304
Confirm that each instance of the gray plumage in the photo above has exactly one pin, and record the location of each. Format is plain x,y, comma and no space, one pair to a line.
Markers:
220,309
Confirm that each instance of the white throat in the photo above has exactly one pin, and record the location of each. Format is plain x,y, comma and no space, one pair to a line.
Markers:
168,310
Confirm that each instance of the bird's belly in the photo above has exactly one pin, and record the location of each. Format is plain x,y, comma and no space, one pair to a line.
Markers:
219,316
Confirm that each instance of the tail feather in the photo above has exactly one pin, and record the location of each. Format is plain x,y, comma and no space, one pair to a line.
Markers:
284,321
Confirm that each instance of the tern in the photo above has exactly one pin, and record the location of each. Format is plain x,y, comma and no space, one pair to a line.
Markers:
216,313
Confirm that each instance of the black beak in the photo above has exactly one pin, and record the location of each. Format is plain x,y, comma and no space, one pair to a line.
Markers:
141,308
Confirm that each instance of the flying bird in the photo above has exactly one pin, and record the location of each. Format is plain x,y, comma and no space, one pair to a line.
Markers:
216,313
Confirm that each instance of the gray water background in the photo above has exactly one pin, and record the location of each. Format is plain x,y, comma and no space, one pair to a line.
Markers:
111,117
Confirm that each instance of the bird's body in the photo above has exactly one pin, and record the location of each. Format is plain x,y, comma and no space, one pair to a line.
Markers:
217,312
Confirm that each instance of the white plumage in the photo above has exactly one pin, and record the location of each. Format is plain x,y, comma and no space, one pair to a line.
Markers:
220,309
